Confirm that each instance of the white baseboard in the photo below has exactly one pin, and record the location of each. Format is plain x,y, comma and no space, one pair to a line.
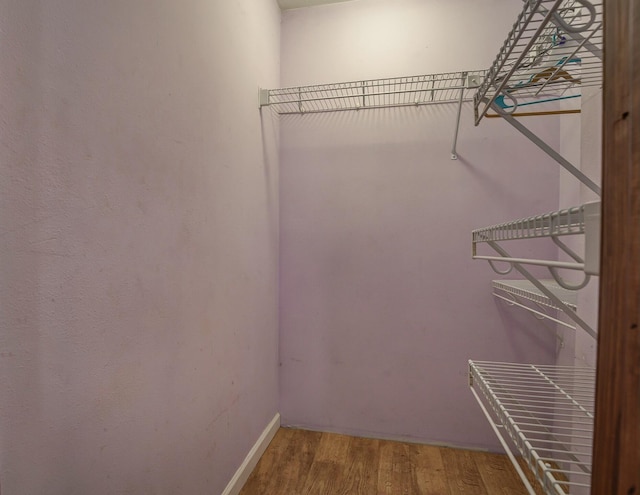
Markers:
245,469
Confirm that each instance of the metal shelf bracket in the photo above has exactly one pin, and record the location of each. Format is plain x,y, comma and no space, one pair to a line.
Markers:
535,139
518,266
468,82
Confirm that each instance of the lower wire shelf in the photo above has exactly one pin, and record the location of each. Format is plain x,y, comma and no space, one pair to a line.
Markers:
512,291
526,290
547,414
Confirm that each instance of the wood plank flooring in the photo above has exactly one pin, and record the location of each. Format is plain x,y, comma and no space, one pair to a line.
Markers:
300,462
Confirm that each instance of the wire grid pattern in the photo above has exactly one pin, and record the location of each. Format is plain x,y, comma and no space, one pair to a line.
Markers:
374,93
555,46
547,412
526,290
561,222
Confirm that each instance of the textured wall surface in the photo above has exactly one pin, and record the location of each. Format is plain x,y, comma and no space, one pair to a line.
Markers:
138,241
365,39
381,304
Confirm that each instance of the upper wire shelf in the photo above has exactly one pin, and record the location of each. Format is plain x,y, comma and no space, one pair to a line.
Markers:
547,412
554,49
373,93
562,222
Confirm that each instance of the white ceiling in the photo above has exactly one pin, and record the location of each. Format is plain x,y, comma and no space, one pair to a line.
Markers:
296,4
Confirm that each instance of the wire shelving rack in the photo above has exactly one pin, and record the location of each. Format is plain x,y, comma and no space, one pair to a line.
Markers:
372,93
582,219
546,412
446,87
554,49
554,46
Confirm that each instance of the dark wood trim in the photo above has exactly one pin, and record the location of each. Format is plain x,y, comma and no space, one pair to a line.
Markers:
616,463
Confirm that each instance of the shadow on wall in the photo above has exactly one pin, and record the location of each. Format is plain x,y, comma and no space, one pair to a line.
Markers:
373,118
270,136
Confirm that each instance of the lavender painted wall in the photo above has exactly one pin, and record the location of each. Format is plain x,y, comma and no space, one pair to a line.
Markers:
381,305
138,241
389,38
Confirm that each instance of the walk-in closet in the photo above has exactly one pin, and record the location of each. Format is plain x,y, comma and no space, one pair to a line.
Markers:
296,247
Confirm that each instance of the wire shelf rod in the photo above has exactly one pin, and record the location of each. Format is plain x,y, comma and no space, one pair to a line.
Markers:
525,261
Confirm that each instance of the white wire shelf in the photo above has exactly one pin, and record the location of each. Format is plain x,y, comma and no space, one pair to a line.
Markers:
557,223
547,414
515,292
526,290
554,49
373,93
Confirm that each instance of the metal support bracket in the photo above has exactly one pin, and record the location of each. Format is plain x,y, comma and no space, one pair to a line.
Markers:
566,164
554,298
263,97
468,82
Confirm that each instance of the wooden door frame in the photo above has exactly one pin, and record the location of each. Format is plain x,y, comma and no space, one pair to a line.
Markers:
616,459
